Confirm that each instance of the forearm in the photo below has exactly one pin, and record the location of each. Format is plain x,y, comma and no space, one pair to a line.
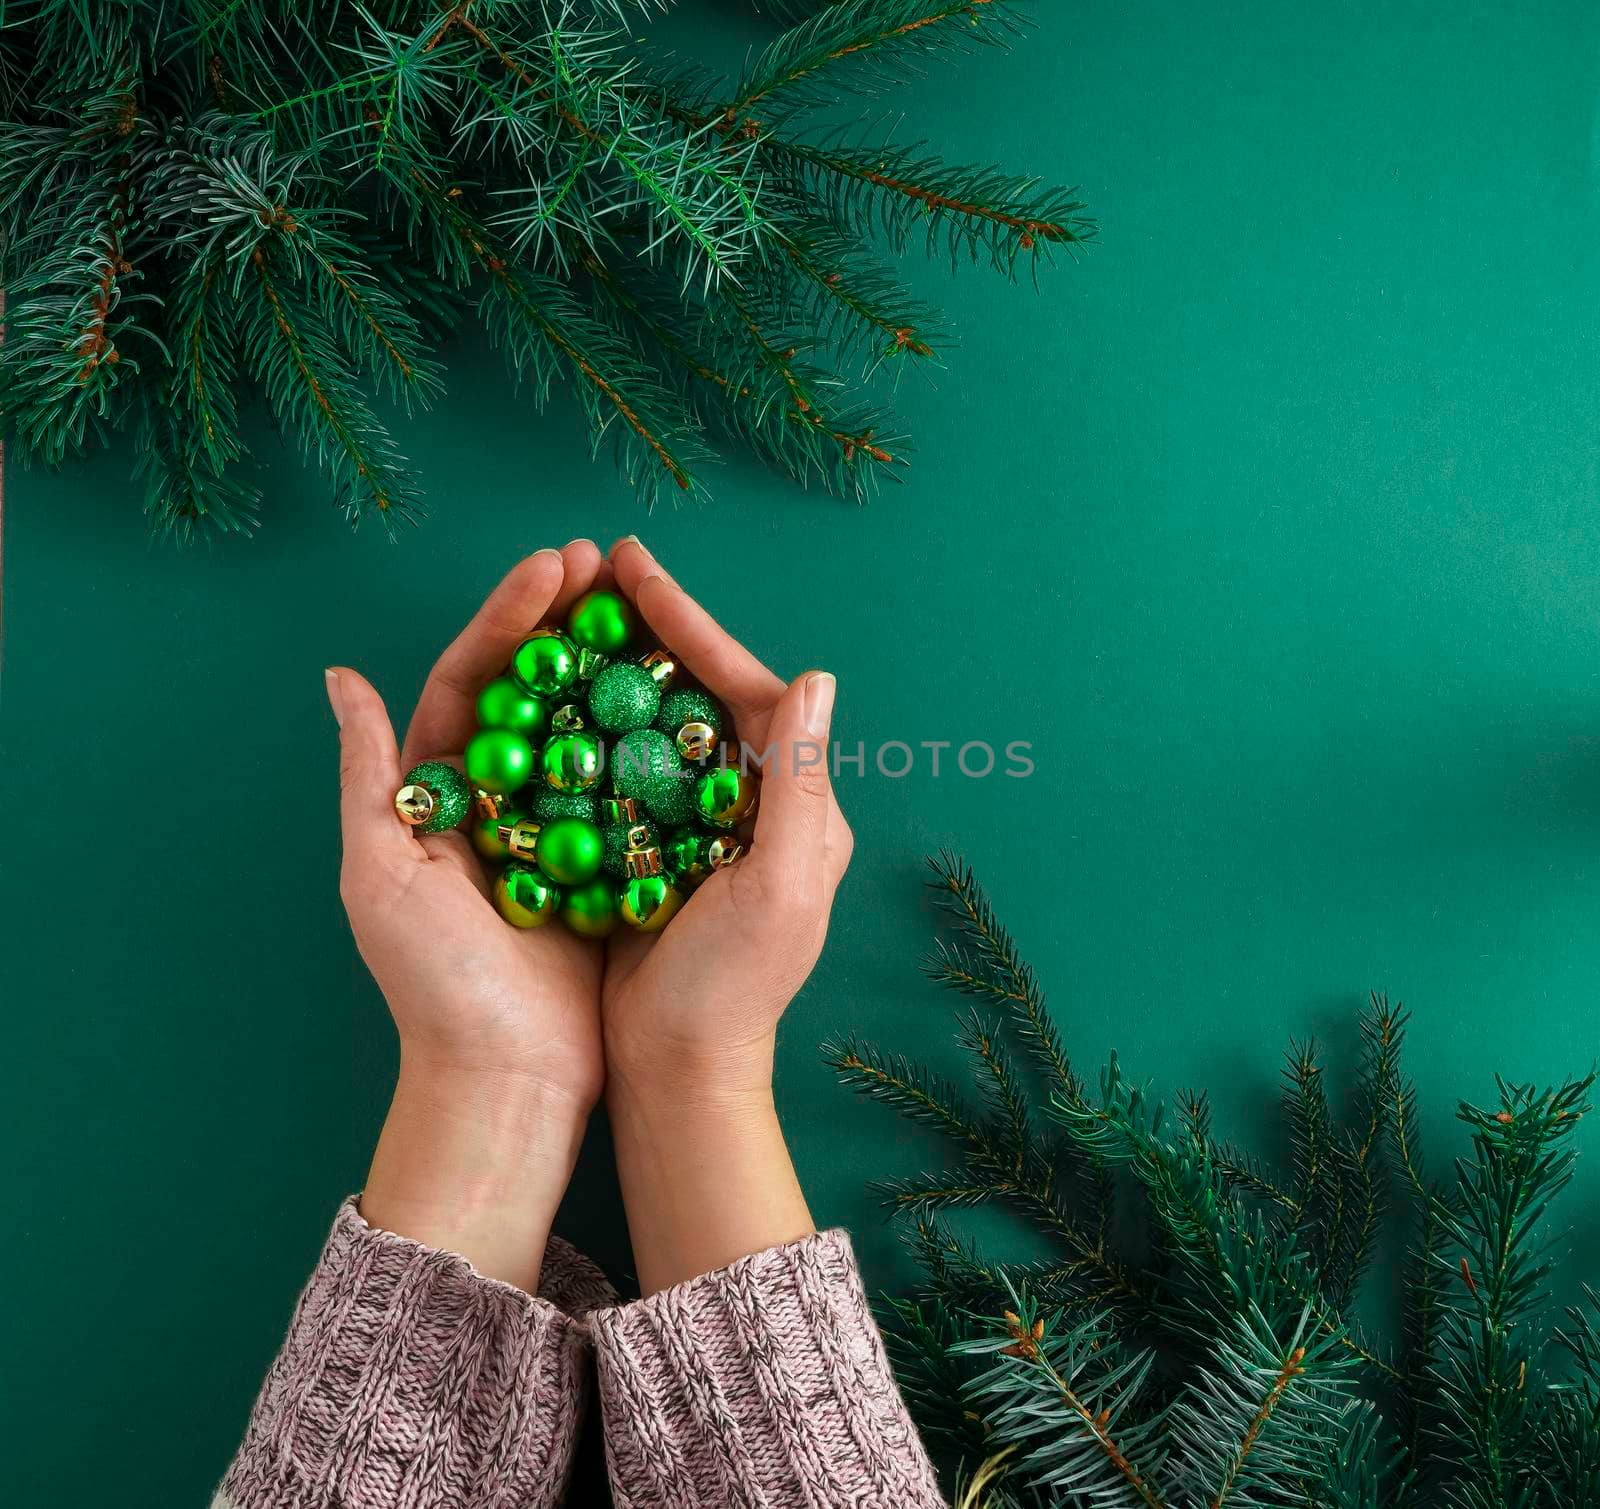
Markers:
474,1164
705,1173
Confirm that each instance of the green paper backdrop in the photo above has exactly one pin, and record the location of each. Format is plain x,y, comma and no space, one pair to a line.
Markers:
1272,524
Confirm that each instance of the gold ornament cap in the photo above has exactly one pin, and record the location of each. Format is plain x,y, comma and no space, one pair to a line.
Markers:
723,850
489,804
520,838
568,719
695,740
414,804
591,663
621,809
662,667
641,857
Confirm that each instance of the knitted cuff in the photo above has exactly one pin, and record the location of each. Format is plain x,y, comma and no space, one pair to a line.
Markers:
765,1383
409,1378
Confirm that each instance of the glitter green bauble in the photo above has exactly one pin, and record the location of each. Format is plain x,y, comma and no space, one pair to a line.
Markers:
549,805
572,762
689,705
616,845
624,697
485,834
569,850
592,910
601,621
504,703
670,798
498,759
524,897
451,792
546,662
725,796
649,902
640,757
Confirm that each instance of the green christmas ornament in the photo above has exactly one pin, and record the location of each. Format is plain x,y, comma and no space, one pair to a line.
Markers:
601,621
640,757
670,798
615,837
624,697
485,834
549,805
592,910
435,797
498,759
689,705
504,703
725,796
546,662
524,897
649,902
691,857
572,762
569,850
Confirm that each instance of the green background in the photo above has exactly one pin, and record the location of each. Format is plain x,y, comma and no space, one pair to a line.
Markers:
1272,523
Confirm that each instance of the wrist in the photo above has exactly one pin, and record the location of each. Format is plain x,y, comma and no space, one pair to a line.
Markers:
721,1077
475,1163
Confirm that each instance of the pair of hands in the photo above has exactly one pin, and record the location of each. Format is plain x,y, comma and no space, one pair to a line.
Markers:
508,1038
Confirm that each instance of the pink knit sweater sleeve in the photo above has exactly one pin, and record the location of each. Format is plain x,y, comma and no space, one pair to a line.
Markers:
764,1384
409,1379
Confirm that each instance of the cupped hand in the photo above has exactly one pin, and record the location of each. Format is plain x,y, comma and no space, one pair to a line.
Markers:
696,1006
470,996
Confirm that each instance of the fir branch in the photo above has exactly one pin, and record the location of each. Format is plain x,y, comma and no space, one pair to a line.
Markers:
872,34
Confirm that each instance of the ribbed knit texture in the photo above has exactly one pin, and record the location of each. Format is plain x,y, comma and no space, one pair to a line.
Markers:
764,1384
410,1381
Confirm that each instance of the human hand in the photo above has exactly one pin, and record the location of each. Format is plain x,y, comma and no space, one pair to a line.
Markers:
501,1056
697,1005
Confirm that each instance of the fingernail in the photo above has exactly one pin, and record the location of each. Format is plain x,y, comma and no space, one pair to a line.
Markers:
582,539
819,703
547,550
331,679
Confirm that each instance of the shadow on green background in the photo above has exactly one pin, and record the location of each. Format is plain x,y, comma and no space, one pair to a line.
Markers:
1273,525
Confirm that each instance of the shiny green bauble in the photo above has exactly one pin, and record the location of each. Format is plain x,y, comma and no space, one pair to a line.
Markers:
685,858
725,796
505,703
689,705
573,762
650,902
448,796
592,910
485,834
569,850
524,897
623,697
549,805
615,837
601,621
546,662
498,759
639,757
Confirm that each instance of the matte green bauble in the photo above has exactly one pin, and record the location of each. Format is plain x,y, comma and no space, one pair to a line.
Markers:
434,798
639,757
592,910
573,762
485,834
569,850
689,705
601,621
726,796
498,759
524,897
615,837
624,697
546,662
549,805
505,703
650,902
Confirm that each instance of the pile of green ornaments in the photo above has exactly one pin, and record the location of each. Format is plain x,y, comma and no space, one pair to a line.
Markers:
594,781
